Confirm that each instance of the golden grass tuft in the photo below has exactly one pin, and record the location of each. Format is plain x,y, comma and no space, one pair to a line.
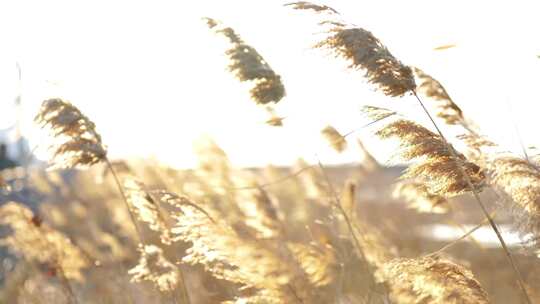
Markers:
476,142
431,280
318,261
39,243
146,209
364,52
519,179
77,142
155,268
334,138
233,253
367,53
248,65
259,212
419,198
377,113
436,167
448,110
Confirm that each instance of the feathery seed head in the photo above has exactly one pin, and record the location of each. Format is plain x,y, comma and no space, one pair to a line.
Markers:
519,179
431,280
77,142
363,51
259,212
318,262
231,252
476,142
437,168
418,197
334,138
248,65
38,242
154,267
146,209
447,109
377,113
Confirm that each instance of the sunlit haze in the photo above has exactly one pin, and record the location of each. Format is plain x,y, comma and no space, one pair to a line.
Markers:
153,77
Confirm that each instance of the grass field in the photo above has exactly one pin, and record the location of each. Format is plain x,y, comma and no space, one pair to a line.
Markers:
459,222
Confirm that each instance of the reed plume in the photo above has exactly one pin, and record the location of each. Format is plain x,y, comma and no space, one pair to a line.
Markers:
147,209
319,262
376,113
452,114
154,267
77,142
37,242
431,280
447,109
476,144
259,212
232,253
437,166
519,179
334,138
418,197
364,52
249,66
470,182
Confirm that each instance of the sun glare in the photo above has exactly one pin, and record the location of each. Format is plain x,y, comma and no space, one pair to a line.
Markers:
156,80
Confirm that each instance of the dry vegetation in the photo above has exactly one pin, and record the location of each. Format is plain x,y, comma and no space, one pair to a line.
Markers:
140,232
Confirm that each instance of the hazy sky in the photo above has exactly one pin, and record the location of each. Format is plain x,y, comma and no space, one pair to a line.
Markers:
154,79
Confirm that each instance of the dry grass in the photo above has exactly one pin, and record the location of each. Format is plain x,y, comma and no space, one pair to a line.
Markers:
76,141
334,138
248,65
141,232
437,167
419,198
363,51
431,280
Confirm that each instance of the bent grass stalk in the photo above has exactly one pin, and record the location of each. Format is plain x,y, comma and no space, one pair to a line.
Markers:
482,206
